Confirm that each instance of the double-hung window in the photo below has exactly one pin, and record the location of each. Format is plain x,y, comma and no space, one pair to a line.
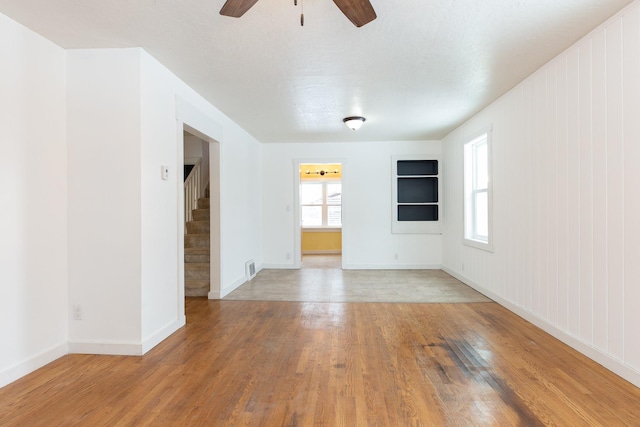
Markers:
477,189
321,204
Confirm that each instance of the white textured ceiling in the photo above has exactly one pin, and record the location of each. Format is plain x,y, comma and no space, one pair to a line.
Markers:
418,71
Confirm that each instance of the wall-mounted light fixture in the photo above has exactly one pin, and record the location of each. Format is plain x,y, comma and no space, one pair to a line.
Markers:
354,122
321,172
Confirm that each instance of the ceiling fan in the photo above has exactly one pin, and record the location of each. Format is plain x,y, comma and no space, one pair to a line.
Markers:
359,12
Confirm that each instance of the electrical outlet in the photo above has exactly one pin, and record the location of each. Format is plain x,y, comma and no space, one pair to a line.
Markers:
288,256
77,312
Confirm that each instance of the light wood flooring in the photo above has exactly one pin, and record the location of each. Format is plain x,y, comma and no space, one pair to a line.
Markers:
266,363
292,363
321,279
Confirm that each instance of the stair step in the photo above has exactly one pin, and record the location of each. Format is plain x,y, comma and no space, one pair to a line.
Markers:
196,255
196,288
203,203
196,240
197,271
196,252
195,283
195,258
198,227
200,214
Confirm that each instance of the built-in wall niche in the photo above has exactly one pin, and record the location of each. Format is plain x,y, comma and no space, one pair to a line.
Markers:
416,195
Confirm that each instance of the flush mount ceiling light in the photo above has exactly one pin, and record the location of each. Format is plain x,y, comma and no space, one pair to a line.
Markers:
354,122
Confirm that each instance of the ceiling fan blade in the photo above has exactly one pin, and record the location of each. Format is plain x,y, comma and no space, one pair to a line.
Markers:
236,8
360,12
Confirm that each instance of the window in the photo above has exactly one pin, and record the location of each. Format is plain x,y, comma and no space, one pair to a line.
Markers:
477,190
321,204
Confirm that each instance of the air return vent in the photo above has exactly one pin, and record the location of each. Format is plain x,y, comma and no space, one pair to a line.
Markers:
250,269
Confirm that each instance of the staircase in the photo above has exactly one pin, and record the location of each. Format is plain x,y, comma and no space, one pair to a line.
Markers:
196,252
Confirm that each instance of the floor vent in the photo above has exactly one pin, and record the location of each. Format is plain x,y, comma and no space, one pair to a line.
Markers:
250,269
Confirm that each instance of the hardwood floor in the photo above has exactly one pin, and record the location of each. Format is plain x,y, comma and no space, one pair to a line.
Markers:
259,363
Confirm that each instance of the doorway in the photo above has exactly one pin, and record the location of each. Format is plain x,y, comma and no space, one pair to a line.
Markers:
320,211
203,249
192,121
197,232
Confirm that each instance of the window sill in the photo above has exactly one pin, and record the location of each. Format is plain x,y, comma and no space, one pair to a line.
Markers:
321,229
478,245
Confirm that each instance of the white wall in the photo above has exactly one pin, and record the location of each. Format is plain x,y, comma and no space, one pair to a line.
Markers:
367,238
195,148
161,213
160,208
103,111
566,197
241,209
86,219
239,169
125,221
192,146
33,202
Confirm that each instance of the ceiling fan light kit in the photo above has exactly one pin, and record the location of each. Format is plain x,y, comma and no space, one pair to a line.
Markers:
354,122
359,12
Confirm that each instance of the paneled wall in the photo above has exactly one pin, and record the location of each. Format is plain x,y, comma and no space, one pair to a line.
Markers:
566,182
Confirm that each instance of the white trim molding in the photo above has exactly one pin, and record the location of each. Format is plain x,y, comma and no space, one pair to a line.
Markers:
616,366
36,362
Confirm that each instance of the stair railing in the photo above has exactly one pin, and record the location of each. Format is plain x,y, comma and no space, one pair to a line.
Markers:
191,193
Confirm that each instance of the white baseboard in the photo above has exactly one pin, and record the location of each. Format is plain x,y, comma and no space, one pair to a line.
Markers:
614,365
232,287
36,362
228,289
105,348
87,347
162,334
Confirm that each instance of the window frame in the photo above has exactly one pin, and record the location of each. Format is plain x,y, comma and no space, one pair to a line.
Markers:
325,205
472,189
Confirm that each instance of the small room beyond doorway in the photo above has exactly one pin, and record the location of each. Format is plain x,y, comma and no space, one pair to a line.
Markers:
321,215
